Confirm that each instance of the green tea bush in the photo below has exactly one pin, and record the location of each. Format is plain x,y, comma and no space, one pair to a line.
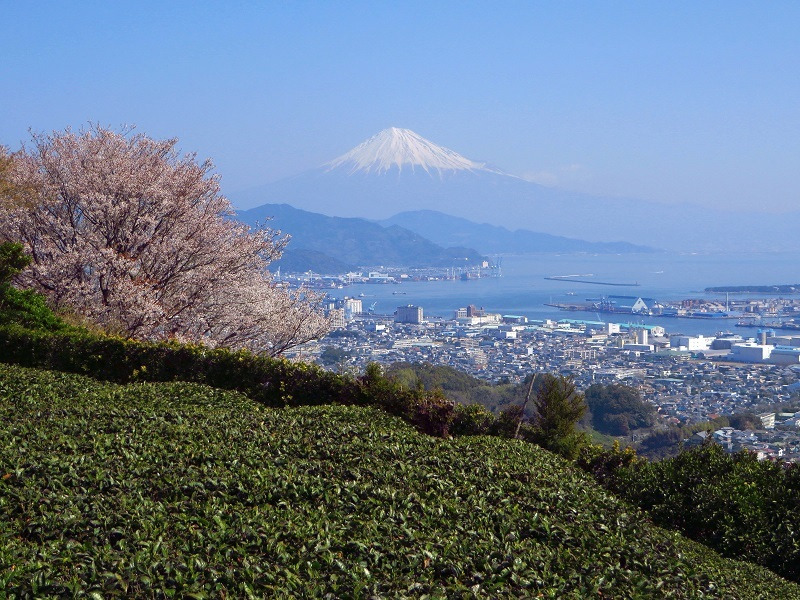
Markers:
180,490
274,382
738,505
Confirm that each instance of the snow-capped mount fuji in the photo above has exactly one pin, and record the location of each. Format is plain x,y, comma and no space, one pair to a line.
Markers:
398,171
402,149
394,170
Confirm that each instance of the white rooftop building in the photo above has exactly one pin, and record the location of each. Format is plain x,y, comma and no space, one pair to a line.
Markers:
690,343
785,355
750,352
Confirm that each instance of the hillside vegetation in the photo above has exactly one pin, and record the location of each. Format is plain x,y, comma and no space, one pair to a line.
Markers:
353,241
457,385
740,506
177,489
448,230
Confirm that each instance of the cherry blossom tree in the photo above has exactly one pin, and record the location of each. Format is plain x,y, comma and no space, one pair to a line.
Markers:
138,239
9,193
5,167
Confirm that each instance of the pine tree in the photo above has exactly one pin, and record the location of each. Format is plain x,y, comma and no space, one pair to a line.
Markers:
558,406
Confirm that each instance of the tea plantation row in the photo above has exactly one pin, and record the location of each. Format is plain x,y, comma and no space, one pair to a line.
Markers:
182,490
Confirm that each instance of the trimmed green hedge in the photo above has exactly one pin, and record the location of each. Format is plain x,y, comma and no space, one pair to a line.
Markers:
273,382
269,381
32,335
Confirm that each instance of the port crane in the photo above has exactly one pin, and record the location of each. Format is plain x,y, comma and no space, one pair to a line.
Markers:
497,267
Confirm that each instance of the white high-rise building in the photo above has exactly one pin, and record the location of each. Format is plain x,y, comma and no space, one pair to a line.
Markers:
408,314
352,307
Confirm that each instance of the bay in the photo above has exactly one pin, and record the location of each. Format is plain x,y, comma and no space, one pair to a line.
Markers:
523,290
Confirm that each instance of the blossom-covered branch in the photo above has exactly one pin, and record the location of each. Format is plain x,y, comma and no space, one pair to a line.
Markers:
138,239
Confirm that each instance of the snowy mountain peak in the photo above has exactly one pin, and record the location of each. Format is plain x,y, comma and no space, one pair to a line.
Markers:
401,149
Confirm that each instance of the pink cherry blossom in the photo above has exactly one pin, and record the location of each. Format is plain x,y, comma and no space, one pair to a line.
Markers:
138,239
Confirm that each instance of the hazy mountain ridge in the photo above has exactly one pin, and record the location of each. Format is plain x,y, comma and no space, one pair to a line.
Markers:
354,241
490,239
397,173
301,261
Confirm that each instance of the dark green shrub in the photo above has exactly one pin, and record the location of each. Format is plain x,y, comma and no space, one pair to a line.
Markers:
28,309
12,260
507,421
471,419
606,464
618,408
558,406
433,413
734,503
274,382
22,307
430,412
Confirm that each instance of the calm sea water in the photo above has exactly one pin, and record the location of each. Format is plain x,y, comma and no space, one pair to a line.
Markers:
523,289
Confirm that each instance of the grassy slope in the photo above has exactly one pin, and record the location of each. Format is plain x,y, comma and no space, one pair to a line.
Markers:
149,489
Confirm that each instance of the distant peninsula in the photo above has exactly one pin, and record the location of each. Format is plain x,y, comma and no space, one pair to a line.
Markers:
335,244
793,288
448,230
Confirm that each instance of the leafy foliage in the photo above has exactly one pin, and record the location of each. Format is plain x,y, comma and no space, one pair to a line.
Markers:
458,386
432,376
744,421
181,490
28,309
344,333
668,442
332,355
472,419
742,507
431,412
551,420
24,308
12,260
617,409
270,381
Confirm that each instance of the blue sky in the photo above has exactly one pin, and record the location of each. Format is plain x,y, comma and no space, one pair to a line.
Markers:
668,101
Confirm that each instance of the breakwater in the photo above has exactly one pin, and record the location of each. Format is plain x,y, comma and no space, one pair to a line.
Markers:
571,279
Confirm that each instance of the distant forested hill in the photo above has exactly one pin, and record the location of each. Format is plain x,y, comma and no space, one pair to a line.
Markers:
455,231
355,241
300,261
793,288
